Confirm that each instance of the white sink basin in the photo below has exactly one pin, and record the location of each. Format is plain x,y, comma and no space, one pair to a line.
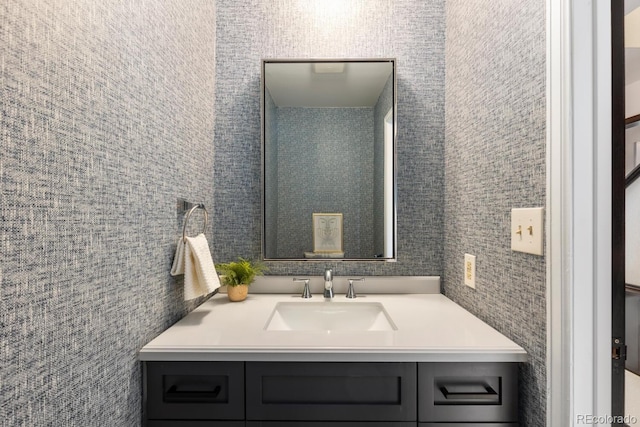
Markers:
329,316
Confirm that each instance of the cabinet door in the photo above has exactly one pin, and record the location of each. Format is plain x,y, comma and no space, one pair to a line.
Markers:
194,390
331,391
467,425
183,423
467,393
331,423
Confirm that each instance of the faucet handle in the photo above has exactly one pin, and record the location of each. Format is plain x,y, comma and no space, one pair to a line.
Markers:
351,293
306,293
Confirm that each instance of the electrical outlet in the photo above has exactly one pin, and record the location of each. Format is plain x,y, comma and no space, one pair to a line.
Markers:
470,270
527,230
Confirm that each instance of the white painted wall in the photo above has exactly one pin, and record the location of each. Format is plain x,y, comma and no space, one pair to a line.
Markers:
632,203
632,148
632,99
632,224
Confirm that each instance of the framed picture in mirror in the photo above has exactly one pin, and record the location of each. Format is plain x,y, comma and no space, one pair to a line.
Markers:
327,232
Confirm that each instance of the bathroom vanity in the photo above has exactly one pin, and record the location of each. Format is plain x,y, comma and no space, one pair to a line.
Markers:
280,360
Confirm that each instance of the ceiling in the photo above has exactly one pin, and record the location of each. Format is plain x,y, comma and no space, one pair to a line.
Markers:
298,84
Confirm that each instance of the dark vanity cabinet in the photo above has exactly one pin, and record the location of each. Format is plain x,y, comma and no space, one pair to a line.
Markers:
193,394
468,394
301,394
384,393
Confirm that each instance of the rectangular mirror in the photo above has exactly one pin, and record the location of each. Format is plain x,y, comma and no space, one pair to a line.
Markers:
328,158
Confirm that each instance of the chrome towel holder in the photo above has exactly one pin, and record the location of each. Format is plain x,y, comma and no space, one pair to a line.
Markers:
188,215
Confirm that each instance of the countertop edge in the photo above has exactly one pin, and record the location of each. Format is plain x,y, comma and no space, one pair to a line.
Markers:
329,355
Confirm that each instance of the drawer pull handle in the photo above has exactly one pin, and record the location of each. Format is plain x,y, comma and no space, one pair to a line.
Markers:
197,393
469,393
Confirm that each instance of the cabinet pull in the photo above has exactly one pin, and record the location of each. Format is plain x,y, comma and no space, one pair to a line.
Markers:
469,393
192,393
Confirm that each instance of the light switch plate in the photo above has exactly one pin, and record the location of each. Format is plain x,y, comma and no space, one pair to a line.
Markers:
527,230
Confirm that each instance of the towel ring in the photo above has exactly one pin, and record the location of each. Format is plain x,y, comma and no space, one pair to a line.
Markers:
188,215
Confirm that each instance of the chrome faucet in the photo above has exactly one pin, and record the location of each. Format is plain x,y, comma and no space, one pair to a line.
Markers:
351,292
306,293
328,283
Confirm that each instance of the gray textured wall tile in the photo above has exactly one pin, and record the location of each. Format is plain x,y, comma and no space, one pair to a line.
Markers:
495,161
325,164
107,117
410,31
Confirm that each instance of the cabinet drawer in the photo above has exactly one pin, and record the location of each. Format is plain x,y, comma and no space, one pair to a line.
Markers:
194,390
182,423
467,425
331,391
467,392
331,423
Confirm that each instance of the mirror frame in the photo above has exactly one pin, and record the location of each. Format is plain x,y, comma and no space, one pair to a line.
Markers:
394,197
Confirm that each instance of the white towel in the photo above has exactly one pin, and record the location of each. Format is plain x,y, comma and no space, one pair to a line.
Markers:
194,260
177,268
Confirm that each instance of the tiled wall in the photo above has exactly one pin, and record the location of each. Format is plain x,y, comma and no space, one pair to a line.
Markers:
107,117
412,31
325,164
495,161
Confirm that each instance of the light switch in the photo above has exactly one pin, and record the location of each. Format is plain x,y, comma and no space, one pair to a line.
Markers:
527,230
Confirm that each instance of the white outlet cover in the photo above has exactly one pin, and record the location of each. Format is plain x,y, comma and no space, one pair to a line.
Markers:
470,270
527,230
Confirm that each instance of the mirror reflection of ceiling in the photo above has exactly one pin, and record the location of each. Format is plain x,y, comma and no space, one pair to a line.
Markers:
330,84
632,40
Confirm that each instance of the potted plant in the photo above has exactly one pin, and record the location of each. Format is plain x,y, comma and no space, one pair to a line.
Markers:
238,275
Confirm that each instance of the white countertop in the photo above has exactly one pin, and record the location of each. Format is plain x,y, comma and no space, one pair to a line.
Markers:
430,328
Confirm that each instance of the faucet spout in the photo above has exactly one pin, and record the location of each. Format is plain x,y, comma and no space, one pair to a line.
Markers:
328,283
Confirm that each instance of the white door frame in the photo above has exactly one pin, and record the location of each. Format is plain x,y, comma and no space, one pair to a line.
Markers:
578,211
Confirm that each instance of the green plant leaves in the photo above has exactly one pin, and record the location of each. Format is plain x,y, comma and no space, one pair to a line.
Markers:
241,272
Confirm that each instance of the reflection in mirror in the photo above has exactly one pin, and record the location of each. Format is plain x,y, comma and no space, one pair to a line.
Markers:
328,158
632,203
632,144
